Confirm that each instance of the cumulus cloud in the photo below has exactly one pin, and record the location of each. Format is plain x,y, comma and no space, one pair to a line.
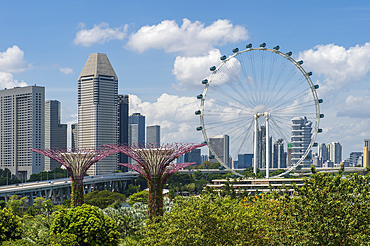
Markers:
191,38
356,107
190,71
99,34
338,66
66,70
7,81
174,114
11,60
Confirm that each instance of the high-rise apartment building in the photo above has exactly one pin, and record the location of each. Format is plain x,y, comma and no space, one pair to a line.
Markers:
137,129
279,156
353,158
153,135
97,109
55,133
324,152
22,122
244,161
301,138
74,136
261,148
335,152
123,112
193,156
220,145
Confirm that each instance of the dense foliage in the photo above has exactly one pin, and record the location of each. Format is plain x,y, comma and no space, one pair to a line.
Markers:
10,225
88,224
103,199
142,196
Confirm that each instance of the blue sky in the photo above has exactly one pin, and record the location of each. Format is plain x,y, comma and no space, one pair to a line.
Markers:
158,60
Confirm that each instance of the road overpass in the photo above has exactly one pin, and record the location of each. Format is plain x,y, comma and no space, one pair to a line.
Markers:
60,189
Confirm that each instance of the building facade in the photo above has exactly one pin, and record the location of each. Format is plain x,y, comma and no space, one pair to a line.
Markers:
324,152
353,158
122,114
193,156
74,136
261,148
244,161
153,135
22,127
301,138
220,145
335,152
55,133
97,109
279,156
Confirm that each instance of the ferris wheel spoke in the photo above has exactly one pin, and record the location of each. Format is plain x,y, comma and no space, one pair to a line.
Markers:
246,80
292,99
245,137
224,93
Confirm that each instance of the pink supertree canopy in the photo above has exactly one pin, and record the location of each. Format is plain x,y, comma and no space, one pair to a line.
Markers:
77,162
156,164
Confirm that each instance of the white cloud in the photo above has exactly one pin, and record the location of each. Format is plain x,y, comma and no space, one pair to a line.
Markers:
99,34
338,66
66,70
356,107
190,71
7,81
174,114
192,38
11,60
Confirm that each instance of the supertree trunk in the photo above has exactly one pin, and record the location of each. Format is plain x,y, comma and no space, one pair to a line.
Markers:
155,204
77,193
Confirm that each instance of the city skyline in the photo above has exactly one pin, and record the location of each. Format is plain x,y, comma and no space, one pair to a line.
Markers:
159,72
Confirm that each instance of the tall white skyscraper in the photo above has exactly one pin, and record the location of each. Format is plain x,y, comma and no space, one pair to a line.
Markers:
55,133
301,138
97,109
220,145
335,152
22,112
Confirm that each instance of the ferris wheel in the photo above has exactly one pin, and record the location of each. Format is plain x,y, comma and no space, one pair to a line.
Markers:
265,93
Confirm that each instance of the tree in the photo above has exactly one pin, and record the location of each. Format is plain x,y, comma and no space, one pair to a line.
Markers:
15,204
156,164
103,199
88,224
142,196
210,220
10,226
77,162
47,207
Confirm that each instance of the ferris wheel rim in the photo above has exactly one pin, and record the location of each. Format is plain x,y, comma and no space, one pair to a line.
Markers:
307,79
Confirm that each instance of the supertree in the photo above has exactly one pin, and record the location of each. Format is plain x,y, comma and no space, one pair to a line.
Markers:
156,164
77,162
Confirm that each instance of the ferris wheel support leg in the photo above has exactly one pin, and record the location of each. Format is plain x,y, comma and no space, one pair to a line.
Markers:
267,146
255,147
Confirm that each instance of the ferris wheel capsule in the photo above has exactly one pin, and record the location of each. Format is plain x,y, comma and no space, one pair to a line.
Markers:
277,47
222,58
235,50
289,53
248,46
263,45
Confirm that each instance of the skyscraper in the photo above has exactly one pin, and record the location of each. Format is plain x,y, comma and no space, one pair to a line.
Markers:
353,158
123,112
244,161
220,145
279,154
55,133
97,109
153,135
335,152
22,122
261,148
193,156
365,156
323,152
137,129
301,138
74,135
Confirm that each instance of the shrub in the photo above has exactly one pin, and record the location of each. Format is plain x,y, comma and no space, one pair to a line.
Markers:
90,226
10,226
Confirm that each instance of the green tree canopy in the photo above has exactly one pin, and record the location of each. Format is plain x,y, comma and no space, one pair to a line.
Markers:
10,226
141,196
90,226
103,199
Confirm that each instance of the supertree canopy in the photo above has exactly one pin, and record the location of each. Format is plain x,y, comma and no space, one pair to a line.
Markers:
156,164
77,162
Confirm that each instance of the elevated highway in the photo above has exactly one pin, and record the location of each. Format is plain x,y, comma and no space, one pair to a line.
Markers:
60,189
